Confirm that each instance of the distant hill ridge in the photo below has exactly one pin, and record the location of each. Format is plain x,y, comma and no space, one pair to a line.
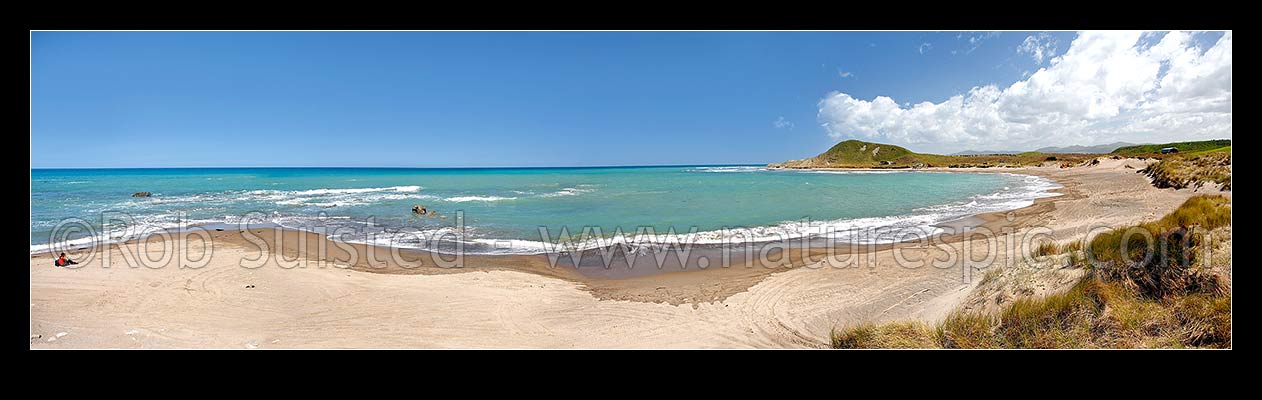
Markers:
1097,149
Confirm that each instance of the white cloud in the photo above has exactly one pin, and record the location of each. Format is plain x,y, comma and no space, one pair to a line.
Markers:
781,123
924,47
1106,87
845,74
1040,47
975,40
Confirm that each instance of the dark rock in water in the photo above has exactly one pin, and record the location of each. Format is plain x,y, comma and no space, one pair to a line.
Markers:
433,213
141,194
419,209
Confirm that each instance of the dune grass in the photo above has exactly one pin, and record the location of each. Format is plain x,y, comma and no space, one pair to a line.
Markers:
895,335
1193,171
1046,249
1094,313
1146,299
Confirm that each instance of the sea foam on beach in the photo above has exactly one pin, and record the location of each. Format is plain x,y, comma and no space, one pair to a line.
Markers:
502,210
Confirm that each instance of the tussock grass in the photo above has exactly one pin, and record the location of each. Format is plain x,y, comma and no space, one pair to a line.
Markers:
991,275
1151,298
1073,246
1094,313
1205,212
1061,320
1205,320
967,330
1161,258
895,335
1046,249
1193,171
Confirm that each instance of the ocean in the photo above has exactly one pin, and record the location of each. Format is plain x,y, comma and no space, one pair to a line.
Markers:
515,210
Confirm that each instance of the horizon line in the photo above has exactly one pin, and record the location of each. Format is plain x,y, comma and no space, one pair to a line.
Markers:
415,167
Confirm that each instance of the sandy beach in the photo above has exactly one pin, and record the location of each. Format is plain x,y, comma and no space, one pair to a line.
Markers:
522,302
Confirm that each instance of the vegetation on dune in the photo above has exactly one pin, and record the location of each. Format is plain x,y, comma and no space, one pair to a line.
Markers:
1170,266
1192,170
1184,147
896,335
1158,296
860,154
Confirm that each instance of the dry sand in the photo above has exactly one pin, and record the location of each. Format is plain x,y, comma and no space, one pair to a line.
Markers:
519,302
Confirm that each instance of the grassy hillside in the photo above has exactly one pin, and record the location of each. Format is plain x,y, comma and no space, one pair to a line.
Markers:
1164,296
1192,169
860,154
1184,147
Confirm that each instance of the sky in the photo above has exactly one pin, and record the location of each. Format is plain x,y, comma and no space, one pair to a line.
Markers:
467,99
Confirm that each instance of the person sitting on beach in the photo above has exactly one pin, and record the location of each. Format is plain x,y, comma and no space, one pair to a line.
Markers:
63,261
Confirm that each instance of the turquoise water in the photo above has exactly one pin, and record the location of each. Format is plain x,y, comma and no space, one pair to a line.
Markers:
504,208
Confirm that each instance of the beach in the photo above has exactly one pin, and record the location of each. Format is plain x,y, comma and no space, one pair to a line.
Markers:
310,299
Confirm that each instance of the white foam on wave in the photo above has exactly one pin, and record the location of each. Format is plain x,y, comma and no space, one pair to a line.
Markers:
318,192
920,221
854,172
729,169
569,191
142,227
461,199
877,230
315,197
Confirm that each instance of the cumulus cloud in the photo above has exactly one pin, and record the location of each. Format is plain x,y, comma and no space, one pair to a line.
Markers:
1106,87
924,47
781,123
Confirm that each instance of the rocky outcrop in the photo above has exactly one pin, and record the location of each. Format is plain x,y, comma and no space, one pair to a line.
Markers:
420,210
141,194
813,162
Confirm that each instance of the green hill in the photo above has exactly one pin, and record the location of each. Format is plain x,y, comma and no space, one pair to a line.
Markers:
860,154
1184,147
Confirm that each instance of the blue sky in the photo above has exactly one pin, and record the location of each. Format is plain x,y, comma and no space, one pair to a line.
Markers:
163,99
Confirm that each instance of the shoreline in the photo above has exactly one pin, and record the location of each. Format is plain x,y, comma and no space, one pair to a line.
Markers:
48,248
634,285
519,301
